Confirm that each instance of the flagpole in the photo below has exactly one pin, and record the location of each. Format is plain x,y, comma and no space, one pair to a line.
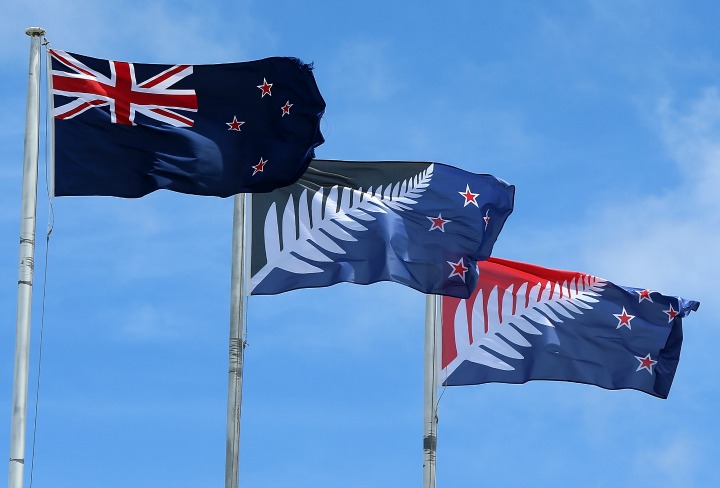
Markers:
26,266
430,392
237,342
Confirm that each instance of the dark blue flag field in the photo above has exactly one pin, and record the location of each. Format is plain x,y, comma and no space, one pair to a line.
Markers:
525,322
127,129
423,225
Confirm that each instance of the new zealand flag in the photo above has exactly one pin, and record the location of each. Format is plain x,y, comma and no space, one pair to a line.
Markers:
525,322
128,129
424,225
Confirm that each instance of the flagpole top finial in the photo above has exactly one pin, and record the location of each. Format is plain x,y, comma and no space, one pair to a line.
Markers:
35,31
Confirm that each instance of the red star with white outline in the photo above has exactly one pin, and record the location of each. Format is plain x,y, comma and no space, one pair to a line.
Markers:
235,124
644,295
258,168
671,313
286,108
265,87
469,196
646,363
458,269
438,222
624,318
487,218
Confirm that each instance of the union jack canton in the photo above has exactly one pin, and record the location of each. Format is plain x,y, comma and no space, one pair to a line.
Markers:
127,129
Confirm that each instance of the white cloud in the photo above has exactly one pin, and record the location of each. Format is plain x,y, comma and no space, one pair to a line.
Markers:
364,70
163,31
338,318
669,462
667,240
147,323
692,136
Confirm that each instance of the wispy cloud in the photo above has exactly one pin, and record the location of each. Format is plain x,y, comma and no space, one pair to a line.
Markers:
673,465
692,136
357,330
664,240
363,69
176,31
147,323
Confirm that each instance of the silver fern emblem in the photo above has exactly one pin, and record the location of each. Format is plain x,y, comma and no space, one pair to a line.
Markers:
504,333
327,219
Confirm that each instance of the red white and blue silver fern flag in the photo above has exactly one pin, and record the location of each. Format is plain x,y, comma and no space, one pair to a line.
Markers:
423,225
526,322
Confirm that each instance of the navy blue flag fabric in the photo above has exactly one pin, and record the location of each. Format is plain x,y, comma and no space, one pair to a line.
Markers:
423,225
526,322
127,129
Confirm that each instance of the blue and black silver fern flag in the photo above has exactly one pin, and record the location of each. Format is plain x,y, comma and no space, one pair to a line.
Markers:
525,322
423,225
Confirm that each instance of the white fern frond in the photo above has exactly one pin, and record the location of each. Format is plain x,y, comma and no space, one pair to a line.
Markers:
504,335
329,219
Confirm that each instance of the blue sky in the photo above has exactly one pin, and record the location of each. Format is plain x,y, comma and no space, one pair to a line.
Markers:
606,117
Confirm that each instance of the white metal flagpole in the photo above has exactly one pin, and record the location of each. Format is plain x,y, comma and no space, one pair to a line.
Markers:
237,342
430,393
26,266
